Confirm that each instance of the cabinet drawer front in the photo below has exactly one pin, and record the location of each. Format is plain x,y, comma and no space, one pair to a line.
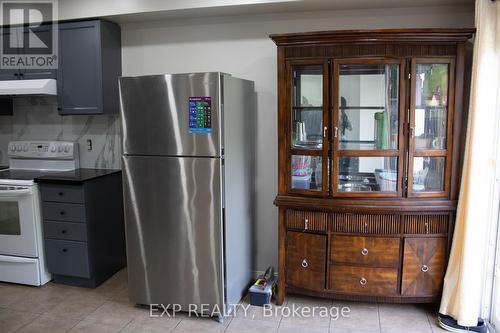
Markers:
363,280
304,220
65,230
366,223
426,224
305,260
62,193
373,251
67,258
63,212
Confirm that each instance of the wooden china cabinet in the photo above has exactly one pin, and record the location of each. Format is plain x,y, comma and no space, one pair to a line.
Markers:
369,161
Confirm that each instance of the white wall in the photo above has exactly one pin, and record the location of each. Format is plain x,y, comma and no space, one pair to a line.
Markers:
240,45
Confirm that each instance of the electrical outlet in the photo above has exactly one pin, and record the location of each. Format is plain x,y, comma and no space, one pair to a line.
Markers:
89,144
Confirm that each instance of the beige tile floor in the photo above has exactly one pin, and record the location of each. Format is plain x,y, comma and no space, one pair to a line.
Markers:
57,308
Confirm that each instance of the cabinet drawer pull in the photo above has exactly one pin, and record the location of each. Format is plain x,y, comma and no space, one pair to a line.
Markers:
425,268
65,250
364,251
63,231
306,224
304,263
62,213
426,227
60,194
363,281
335,132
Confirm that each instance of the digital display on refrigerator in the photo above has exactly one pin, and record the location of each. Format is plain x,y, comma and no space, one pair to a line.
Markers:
200,115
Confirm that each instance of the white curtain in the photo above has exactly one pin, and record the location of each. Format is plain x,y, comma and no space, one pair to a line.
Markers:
463,283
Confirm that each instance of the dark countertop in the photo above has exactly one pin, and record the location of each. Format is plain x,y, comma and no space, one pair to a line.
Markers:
77,176
2,167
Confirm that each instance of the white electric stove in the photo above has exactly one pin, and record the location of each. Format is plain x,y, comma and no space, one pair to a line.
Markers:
22,257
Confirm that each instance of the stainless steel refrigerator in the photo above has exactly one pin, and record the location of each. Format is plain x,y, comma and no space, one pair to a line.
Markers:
188,164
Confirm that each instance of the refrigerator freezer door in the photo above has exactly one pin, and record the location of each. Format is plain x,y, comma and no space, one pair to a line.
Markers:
171,115
174,230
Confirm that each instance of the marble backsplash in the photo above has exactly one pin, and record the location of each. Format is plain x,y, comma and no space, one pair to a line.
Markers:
36,118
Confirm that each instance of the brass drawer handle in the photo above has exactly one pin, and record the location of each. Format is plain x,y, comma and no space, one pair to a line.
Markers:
364,251
363,281
425,268
306,224
304,263
426,227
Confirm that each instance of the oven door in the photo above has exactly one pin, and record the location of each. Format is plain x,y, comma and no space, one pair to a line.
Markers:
18,221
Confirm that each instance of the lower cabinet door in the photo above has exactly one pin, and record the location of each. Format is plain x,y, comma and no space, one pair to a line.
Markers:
306,260
423,266
363,280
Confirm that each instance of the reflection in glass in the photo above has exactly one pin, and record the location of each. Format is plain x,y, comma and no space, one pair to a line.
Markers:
431,106
307,172
428,174
368,106
307,107
9,218
367,174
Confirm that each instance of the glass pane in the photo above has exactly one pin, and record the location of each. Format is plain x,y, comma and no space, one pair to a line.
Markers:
431,106
9,218
368,174
307,107
368,106
428,174
307,172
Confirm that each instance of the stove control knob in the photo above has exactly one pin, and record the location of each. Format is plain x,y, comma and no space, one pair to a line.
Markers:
53,149
66,149
12,148
59,149
25,148
19,148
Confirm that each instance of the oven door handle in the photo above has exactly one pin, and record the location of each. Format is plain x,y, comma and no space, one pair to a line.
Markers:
19,260
10,193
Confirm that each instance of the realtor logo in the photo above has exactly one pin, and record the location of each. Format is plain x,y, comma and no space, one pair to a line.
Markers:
29,34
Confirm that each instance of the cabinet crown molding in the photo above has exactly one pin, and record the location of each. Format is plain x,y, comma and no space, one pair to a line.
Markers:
374,36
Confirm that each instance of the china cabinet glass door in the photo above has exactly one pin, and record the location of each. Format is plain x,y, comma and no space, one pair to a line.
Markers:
367,128
308,141
430,128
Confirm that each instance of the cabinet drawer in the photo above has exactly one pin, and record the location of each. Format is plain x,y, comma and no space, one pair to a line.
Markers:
62,193
63,212
366,223
65,230
67,258
305,260
304,220
372,251
426,224
363,280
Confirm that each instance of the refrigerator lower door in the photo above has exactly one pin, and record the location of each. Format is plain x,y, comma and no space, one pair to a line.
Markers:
174,231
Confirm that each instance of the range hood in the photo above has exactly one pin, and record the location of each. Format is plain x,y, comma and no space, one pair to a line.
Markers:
28,87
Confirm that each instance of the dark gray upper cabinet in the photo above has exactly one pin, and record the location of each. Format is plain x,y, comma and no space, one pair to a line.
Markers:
43,33
89,67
